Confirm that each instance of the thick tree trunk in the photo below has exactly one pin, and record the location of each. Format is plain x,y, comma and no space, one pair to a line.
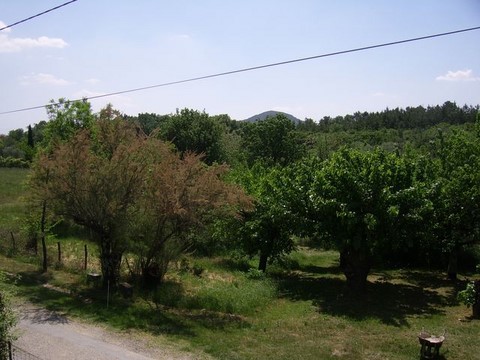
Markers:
153,274
110,261
453,264
476,311
476,305
355,264
262,264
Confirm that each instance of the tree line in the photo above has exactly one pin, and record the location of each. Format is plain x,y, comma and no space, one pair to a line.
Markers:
151,187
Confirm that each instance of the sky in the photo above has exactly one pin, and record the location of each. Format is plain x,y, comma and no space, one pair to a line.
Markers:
93,47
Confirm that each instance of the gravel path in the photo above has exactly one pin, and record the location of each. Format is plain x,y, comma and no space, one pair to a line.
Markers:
49,335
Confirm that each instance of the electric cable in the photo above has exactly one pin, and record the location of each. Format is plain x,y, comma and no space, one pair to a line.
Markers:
370,47
37,15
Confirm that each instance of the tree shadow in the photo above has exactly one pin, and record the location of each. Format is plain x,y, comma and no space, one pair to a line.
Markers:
390,303
436,280
121,313
320,270
43,316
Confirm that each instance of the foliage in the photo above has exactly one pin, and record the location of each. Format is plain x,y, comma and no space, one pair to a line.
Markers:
197,132
410,118
255,274
272,141
148,122
457,206
468,296
65,119
94,182
266,231
123,186
364,204
11,162
7,319
178,196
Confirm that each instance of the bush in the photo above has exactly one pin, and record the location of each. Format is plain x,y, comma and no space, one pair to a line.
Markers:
468,296
11,162
7,321
255,274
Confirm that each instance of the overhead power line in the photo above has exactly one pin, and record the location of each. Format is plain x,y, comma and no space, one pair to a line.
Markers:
256,67
37,15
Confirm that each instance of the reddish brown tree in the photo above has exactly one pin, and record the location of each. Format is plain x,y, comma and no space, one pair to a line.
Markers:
134,193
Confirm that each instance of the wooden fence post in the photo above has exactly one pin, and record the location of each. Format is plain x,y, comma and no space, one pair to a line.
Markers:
86,258
59,252
10,353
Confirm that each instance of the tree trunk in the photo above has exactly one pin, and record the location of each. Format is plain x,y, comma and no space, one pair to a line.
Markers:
110,262
153,272
453,264
476,305
262,264
355,264
476,311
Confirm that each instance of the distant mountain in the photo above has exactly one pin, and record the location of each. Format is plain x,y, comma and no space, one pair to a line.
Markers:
271,113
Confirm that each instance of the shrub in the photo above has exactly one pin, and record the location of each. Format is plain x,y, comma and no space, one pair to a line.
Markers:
468,296
7,321
11,162
255,274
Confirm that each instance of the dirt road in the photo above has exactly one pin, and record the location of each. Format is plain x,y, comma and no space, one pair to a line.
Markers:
49,335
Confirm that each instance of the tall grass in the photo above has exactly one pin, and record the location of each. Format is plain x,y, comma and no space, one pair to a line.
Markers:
11,206
242,297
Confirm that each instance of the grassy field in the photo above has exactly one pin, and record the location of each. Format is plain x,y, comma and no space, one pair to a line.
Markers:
304,312
11,189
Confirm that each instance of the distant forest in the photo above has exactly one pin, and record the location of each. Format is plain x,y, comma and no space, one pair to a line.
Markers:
390,129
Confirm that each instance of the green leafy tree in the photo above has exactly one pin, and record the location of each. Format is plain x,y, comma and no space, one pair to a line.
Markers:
267,230
197,132
148,122
458,195
364,204
273,141
65,119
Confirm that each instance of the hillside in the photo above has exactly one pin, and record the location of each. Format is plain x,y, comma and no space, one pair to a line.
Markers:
271,113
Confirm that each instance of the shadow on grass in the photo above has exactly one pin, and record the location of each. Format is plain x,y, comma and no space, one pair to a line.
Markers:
91,303
320,270
436,280
387,302
234,264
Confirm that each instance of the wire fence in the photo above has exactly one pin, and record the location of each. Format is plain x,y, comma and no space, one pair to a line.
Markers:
16,353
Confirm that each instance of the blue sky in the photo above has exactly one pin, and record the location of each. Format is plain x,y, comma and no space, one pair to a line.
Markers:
94,47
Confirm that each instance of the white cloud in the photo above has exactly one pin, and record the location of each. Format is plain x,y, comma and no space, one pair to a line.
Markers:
460,75
10,44
44,79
